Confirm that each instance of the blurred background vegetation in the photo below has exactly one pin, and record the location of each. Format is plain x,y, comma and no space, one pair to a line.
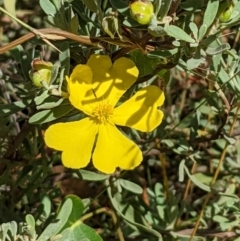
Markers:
187,187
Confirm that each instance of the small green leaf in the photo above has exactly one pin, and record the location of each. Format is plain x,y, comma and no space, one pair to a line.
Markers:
181,171
178,33
30,220
121,6
157,6
51,102
144,63
197,182
14,228
194,63
50,115
129,216
79,232
130,186
192,5
62,217
48,7
74,229
8,109
39,99
217,50
31,225
91,5
202,32
92,176
230,140
154,29
74,24
210,13
54,73
163,53
194,29
165,6
64,57
46,203
77,210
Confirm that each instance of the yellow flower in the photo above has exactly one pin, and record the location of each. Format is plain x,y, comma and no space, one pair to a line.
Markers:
95,89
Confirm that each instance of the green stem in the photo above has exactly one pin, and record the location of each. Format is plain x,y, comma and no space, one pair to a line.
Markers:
16,19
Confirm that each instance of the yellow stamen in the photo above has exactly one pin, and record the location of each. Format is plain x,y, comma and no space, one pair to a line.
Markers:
103,113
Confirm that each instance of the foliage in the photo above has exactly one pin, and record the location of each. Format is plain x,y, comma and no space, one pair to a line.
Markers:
187,187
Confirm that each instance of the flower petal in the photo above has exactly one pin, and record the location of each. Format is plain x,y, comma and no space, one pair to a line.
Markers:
140,111
81,95
111,81
75,139
113,150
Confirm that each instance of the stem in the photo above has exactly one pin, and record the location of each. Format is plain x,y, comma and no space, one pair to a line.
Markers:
16,19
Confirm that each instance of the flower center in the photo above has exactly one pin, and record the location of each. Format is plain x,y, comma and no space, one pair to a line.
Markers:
103,113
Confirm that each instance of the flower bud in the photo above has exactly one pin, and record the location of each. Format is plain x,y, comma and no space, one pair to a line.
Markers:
226,14
41,71
141,11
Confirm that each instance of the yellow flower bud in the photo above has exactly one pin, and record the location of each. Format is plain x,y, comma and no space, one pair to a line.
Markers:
226,14
41,71
141,11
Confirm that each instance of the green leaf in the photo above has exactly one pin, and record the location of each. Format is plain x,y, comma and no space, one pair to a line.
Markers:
21,55
46,203
192,5
144,63
40,98
64,57
50,115
62,217
130,186
194,29
30,220
165,6
202,32
157,6
74,24
91,5
163,53
217,50
74,229
8,109
230,140
79,232
77,210
52,102
14,228
181,171
129,216
156,30
197,182
178,33
210,13
31,225
194,63
54,73
121,6
48,7
92,176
